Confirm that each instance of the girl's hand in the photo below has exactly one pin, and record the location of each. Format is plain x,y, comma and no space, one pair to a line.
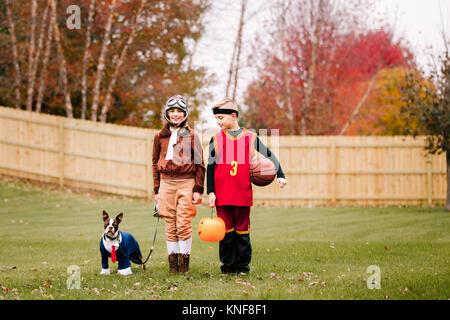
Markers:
157,199
212,200
196,198
281,182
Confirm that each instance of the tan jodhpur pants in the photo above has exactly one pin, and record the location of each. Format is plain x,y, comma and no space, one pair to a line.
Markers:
176,208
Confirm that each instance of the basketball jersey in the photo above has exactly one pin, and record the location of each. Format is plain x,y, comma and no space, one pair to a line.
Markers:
232,169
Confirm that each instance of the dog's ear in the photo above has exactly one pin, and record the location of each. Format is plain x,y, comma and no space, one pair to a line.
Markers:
105,215
119,217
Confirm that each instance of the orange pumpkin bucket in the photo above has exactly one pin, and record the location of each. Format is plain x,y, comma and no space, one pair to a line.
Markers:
211,229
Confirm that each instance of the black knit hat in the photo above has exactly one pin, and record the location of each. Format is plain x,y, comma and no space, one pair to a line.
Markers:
226,106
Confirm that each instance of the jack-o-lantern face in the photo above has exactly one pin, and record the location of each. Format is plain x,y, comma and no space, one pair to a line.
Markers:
211,229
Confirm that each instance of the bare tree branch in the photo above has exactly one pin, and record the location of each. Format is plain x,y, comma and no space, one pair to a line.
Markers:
31,49
12,33
233,72
231,69
359,105
62,61
44,69
86,60
45,24
317,20
287,83
101,61
118,62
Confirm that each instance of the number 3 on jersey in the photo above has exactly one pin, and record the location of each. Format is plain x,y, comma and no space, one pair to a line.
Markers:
234,165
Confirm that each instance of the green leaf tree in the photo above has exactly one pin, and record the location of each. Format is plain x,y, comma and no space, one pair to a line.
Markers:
433,114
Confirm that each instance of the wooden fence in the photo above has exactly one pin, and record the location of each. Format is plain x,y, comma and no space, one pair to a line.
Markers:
321,170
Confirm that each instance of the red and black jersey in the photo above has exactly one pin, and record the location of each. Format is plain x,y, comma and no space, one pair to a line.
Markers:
232,168
257,146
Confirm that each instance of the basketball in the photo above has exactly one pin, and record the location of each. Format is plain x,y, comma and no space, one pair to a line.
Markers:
262,171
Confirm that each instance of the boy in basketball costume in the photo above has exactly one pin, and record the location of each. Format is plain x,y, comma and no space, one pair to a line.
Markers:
229,186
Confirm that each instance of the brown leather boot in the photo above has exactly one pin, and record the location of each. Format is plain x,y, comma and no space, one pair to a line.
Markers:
173,263
184,263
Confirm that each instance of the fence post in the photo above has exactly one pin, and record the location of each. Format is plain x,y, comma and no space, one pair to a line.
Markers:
429,165
333,171
61,152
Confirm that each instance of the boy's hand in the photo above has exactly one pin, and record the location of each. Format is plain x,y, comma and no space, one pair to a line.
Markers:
212,200
281,182
157,198
196,198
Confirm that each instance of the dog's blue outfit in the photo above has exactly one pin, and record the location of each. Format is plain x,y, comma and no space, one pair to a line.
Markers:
128,245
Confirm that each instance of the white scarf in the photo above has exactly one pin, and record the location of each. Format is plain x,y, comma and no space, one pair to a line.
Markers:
172,142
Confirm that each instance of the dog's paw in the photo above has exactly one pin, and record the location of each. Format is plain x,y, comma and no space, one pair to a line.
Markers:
105,272
125,272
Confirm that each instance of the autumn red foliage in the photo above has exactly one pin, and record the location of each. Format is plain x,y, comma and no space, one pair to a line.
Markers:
345,65
156,65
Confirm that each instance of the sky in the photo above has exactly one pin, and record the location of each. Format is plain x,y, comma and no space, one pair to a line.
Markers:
419,22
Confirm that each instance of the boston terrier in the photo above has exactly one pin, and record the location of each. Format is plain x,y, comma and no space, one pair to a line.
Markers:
119,245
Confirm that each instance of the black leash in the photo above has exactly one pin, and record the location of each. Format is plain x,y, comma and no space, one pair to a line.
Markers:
155,214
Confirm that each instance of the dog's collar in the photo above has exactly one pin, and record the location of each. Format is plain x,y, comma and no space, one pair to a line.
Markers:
118,237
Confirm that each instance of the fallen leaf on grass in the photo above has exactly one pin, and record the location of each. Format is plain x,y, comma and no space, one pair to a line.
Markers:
48,283
387,248
245,293
313,283
245,283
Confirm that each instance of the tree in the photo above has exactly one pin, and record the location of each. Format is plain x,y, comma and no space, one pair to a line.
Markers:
433,114
62,60
123,62
330,74
101,60
380,113
15,59
233,72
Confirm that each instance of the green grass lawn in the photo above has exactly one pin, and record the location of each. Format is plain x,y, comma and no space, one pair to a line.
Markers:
298,253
